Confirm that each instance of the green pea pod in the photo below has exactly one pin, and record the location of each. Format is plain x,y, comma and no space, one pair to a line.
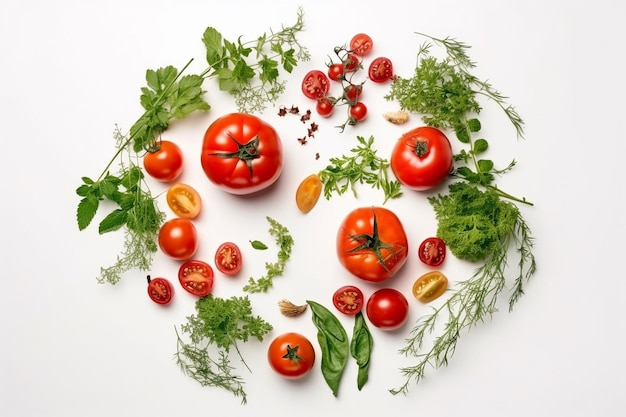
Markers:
334,344
361,348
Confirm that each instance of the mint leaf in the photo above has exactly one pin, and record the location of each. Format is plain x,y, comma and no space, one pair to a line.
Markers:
113,221
87,208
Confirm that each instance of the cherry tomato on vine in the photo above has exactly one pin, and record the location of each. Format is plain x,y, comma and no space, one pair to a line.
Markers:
348,300
432,251
160,290
196,277
380,70
351,63
184,200
291,355
352,92
324,107
372,243
228,259
387,309
430,286
358,112
165,163
178,238
361,44
242,154
422,158
335,71
315,84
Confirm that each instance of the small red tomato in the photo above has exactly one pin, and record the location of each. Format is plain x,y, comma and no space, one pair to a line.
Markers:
335,71
228,258
361,44
351,63
432,251
291,355
196,277
348,300
324,107
358,112
160,290
315,84
387,309
352,92
178,238
380,70
165,162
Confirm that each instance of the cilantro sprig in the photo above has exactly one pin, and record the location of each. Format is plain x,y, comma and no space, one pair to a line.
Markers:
362,166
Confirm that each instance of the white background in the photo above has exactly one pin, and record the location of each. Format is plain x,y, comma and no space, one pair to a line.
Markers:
71,70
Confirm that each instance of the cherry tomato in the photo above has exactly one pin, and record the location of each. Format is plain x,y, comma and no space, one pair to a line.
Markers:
352,92
422,158
196,277
361,44
430,286
372,243
160,290
178,238
324,107
380,70
358,112
165,163
315,84
291,355
308,193
387,309
184,200
348,300
242,154
228,259
432,251
335,71
351,63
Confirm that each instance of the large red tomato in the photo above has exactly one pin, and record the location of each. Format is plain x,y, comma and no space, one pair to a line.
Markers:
422,158
372,243
242,154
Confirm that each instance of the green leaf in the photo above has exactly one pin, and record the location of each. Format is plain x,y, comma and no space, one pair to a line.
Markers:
258,245
87,208
84,190
485,165
480,146
268,70
473,125
242,72
113,221
212,40
289,60
226,80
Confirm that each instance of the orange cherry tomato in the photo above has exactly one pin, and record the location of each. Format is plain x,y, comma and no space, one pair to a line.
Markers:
430,286
184,200
308,193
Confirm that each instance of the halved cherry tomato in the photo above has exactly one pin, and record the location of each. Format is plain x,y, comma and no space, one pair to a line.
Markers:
324,107
361,44
228,258
196,277
432,251
348,300
178,238
353,92
160,290
315,84
165,162
430,286
351,63
335,71
308,193
184,200
380,70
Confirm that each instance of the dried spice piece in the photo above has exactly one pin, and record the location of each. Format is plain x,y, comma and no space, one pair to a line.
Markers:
289,309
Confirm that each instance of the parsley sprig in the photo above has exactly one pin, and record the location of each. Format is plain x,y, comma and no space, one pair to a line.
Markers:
477,220
363,166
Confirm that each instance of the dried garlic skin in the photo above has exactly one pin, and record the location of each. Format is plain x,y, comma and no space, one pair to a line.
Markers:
397,117
289,309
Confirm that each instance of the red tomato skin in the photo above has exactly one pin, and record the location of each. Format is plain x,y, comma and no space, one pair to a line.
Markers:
285,366
364,263
348,300
361,44
315,84
228,258
196,277
232,174
160,290
432,251
387,309
380,70
166,163
178,239
422,172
